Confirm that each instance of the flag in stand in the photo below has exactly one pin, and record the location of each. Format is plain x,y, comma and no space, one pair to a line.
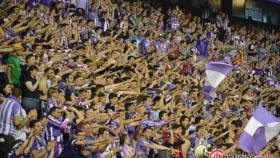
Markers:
215,73
261,128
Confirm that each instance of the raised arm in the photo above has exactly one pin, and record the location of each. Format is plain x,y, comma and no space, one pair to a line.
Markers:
32,87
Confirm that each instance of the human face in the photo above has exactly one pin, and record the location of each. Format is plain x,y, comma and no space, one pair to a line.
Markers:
57,114
8,89
38,49
185,122
86,128
79,81
67,29
88,94
114,100
126,141
34,73
149,101
50,74
125,18
70,79
178,130
61,97
31,60
148,134
193,95
55,93
165,117
80,136
105,135
38,128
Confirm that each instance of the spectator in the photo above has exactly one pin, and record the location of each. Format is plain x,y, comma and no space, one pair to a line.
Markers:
6,89
30,90
30,60
126,149
13,73
10,121
39,147
144,144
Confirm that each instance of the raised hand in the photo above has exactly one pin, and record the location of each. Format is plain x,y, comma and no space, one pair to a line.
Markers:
32,114
51,145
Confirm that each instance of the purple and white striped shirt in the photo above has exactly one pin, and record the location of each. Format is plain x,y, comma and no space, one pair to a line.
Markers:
126,150
145,124
51,102
39,144
13,154
54,127
8,110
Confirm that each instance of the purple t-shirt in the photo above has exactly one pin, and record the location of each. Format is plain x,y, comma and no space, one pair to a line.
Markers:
38,144
12,153
54,128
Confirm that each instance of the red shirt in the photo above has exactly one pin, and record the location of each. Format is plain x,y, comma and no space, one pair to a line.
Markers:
165,137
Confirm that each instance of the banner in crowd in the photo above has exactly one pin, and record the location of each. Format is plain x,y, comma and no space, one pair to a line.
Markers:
261,128
216,72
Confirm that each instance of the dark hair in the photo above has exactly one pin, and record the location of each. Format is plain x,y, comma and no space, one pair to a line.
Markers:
78,76
32,123
112,95
122,139
68,96
127,105
63,25
176,126
31,68
78,131
2,86
48,69
147,128
198,119
66,76
29,56
83,90
183,118
101,131
53,109
51,90
100,95
161,113
16,92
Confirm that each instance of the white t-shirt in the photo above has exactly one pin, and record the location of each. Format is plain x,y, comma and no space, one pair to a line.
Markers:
20,134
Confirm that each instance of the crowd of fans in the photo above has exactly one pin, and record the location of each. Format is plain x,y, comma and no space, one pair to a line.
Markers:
123,79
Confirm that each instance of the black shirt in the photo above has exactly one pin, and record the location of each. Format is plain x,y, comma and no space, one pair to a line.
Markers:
26,92
23,72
